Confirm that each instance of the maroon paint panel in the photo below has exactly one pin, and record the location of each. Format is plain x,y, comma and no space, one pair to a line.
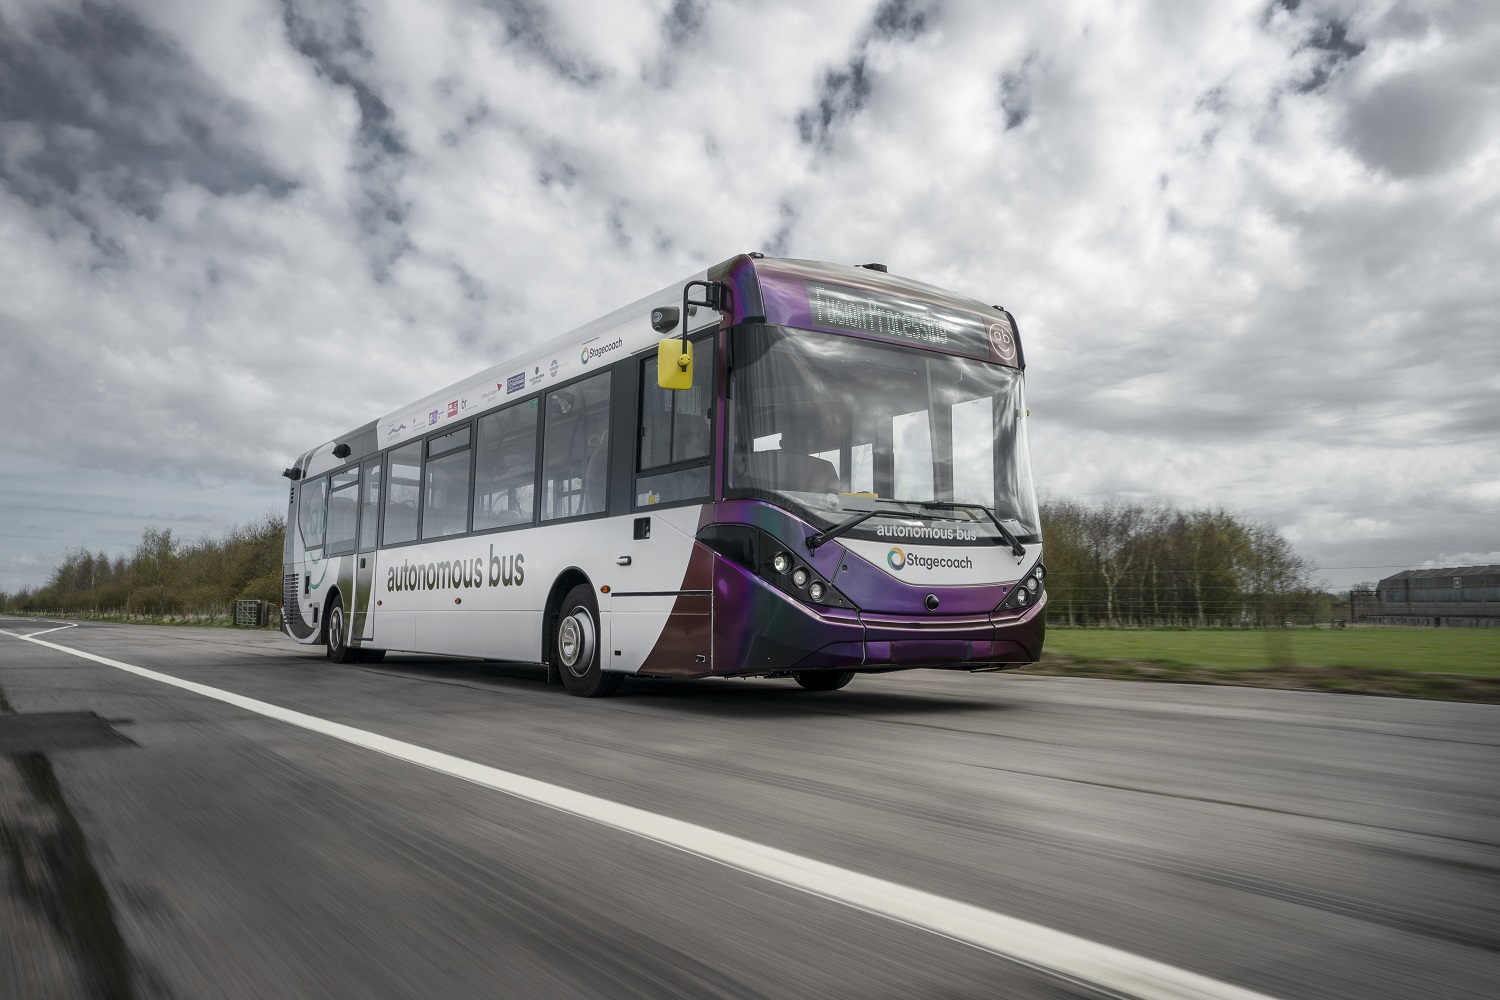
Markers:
685,647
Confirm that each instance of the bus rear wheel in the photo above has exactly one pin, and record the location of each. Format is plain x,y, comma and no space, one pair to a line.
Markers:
575,647
824,680
338,646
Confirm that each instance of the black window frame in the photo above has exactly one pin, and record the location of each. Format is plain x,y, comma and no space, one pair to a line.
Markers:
645,363
609,372
386,482
428,440
377,463
351,546
539,403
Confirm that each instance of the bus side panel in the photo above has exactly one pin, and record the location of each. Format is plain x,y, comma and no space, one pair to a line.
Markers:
684,645
647,603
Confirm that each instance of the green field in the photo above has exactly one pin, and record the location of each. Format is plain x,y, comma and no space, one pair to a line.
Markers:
1434,650
1457,664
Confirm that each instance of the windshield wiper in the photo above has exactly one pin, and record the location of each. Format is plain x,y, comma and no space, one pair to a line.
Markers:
1016,548
838,529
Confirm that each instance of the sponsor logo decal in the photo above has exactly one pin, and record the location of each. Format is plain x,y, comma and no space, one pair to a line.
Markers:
453,408
899,559
553,369
434,416
394,429
590,353
537,376
450,574
514,383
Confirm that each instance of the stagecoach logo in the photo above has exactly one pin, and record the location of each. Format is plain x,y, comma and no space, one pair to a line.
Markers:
899,559
1003,340
500,571
514,383
590,353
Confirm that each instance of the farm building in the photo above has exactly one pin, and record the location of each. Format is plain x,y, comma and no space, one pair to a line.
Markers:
1453,596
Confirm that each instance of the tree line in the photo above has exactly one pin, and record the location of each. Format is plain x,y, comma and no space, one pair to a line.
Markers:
164,577
1115,563
1127,563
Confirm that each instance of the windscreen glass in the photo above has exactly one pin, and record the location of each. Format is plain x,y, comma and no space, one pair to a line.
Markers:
838,426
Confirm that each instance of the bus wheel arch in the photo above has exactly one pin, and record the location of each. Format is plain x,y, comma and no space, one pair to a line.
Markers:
565,582
333,595
337,648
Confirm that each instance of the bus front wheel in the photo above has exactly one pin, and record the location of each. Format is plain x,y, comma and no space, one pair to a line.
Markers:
338,644
575,647
824,680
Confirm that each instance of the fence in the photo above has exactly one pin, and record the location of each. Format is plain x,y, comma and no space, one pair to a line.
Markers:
256,614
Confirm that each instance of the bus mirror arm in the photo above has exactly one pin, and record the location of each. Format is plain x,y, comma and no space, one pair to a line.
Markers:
674,360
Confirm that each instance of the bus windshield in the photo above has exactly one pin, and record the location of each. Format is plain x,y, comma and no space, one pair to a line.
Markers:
840,426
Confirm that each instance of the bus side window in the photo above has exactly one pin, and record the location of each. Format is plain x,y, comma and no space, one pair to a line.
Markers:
369,514
312,512
445,511
403,491
675,435
505,467
575,449
343,511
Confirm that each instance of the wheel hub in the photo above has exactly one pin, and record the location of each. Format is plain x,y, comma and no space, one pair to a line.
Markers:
575,642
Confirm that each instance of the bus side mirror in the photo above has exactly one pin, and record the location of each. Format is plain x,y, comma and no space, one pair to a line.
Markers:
674,363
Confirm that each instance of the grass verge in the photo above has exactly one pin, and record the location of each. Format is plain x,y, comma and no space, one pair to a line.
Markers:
1441,664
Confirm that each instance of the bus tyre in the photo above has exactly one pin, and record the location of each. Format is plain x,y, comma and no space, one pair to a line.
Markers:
575,647
338,647
824,680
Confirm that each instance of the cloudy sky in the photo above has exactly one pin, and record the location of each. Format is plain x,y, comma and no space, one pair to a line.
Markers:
1254,248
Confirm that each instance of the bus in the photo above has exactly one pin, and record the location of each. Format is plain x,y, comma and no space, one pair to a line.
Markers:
774,468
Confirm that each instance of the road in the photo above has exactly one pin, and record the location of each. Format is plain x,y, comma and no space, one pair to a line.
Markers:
176,845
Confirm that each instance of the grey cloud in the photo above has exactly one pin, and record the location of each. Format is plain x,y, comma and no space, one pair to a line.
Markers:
1334,47
330,37
94,100
903,19
1420,122
526,24
844,92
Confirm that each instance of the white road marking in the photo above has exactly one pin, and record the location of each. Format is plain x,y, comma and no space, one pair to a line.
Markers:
1055,952
44,631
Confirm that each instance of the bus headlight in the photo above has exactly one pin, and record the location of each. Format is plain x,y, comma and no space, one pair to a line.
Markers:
815,591
781,562
1021,597
800,578
1032,584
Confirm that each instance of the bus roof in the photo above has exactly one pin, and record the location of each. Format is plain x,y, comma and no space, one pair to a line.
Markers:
837,298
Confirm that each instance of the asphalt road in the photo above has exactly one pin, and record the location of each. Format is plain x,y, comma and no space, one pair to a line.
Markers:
1297,844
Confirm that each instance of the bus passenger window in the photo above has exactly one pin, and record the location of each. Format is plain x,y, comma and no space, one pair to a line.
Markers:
676,435
505,467
446,508
403,491
312,512
369,515
575,449
343,511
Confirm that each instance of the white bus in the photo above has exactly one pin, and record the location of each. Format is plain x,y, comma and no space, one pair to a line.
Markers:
774,468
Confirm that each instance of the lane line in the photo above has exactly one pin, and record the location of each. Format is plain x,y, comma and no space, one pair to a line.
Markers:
1057,953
